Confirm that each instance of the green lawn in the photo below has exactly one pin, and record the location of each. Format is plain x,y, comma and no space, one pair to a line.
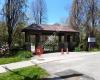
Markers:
28,73
18,56
10,60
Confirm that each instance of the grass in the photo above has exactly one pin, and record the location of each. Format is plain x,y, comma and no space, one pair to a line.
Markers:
18,56
28,73
10,60
95,49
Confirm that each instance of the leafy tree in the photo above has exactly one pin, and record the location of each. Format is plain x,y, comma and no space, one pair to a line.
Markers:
3,33
18,39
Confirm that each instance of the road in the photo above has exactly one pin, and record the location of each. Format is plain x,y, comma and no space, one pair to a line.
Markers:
88,65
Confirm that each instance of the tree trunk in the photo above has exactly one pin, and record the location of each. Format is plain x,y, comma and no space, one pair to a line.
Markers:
10,37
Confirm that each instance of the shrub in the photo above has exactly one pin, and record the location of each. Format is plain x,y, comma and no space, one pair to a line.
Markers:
24,54
95,49
77,49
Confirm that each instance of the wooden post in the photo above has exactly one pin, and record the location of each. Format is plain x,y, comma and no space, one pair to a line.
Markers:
68,38
37,40
26,36
66,43
27,41
59,42
65,38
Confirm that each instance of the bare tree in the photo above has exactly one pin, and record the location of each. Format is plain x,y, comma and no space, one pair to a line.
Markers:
84,16
75,14
14,13
39,11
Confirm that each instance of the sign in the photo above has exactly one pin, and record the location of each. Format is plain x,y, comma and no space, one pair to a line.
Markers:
91,39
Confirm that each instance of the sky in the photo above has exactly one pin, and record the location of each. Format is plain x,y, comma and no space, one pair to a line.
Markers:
57,10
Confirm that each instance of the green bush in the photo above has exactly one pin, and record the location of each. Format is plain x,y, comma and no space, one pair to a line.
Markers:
77,49
24,54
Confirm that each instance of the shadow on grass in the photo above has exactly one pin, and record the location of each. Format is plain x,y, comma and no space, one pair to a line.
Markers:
29,77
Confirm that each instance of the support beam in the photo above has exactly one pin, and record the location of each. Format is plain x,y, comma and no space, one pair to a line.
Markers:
27,37
37,40
59,42
27,41
68,38
65,38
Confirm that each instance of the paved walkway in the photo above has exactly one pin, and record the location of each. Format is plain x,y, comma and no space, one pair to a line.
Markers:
43,59
88,64
55,62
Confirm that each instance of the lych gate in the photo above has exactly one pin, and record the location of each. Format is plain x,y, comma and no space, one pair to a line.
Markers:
38,34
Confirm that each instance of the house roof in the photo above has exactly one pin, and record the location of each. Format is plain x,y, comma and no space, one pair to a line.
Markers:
46,27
